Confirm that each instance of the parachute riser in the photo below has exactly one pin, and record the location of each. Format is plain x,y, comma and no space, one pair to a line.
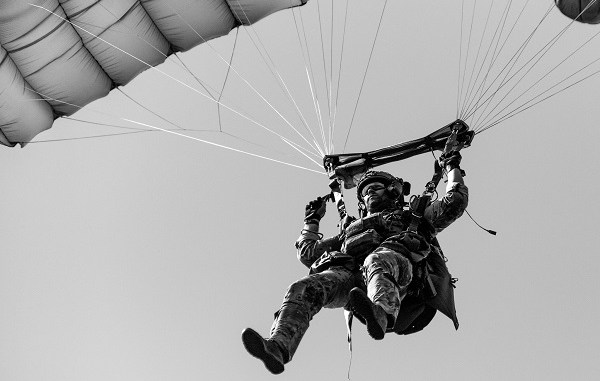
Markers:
348,167
336,196
453,143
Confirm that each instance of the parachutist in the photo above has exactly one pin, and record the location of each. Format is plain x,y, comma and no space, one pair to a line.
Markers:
387,267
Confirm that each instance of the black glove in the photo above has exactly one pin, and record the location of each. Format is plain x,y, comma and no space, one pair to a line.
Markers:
450,160
315,210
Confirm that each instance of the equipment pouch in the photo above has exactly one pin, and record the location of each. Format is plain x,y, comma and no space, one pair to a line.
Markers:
362,225
360,245
329,259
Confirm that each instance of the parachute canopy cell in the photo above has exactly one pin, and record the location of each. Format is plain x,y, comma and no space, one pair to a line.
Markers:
586,11
56,56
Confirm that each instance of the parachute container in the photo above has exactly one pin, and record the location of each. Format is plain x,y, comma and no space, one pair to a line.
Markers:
56,56
586,11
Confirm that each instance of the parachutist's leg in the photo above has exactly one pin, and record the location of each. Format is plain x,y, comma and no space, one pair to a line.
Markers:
266,350
304,299
387,274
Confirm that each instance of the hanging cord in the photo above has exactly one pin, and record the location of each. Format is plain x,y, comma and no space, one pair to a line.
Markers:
492,232
349,316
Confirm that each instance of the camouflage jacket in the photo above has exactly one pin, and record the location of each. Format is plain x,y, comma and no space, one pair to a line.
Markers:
432,285
379,227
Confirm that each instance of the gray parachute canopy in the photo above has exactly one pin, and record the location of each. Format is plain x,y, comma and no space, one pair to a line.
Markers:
586,11
56,56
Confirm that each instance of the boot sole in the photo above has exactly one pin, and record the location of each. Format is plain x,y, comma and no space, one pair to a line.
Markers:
363,306
254,344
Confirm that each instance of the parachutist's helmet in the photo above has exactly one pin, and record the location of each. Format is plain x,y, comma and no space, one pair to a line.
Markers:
395,186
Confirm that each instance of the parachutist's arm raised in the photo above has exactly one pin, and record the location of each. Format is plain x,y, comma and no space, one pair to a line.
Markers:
310,245
441,213
454,176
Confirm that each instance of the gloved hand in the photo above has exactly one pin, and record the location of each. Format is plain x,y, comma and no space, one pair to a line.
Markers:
450,160
315,210
344,222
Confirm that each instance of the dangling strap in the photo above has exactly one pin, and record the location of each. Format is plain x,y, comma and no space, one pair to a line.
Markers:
418,212
349,315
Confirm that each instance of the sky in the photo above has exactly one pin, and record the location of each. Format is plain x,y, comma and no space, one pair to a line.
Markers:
144,256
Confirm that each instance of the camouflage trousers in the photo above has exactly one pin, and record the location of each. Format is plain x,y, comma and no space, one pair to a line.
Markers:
385,275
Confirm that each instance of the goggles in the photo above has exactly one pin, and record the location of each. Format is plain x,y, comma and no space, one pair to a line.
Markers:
375,187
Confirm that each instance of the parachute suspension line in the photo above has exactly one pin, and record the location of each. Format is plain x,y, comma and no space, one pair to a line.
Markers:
501,26
523,107
46,98
339,75
299,148
365,74
273,69
540,54
469,88
246,82
542,78
149,110
472,94
166,75
182,65
526,105
507,70
331,34
200,82
464,74
154,128
282,85
309,72
88,137
466,114
326,78
514,59
487,118
226,80
223,146
460,45
135,130
191,129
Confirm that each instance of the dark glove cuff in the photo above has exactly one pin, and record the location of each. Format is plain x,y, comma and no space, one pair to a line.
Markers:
314,221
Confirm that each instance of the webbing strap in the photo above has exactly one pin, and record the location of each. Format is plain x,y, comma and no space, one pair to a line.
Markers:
418,213
349,316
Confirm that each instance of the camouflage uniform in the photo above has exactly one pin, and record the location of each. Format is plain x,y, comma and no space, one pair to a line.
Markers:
376,254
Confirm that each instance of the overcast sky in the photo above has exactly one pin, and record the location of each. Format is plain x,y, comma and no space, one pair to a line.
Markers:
144,256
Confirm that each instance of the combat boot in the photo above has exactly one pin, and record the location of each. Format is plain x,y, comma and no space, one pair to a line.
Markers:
375,317
266,350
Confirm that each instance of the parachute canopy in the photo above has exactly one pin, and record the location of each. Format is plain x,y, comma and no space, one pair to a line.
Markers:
58,55
586,11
